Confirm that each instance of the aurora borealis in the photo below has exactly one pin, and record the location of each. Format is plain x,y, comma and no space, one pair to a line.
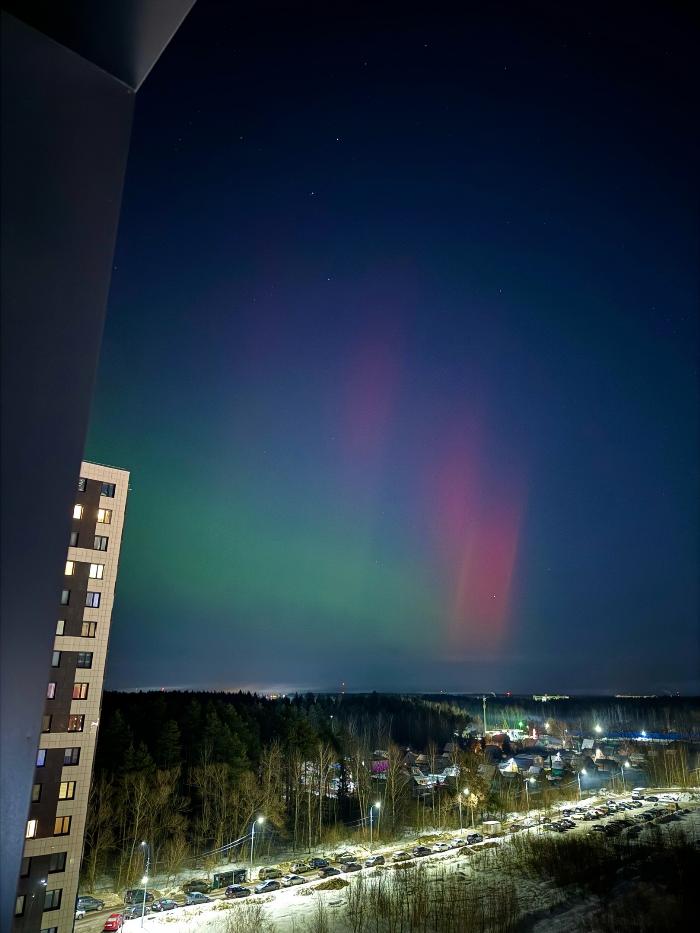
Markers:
402,355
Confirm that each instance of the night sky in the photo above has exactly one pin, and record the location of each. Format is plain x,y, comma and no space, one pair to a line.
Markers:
402,353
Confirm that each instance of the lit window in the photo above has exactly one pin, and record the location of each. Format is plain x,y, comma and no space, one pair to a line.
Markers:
32,826
61,826
65,597
60,626
52,899
73,539
51,691
41,757
66,790
82,484
71,756
80,691
56,659
57,862
70,566
36,793
46,723
19,905
108,489
76,723
77,511
104,516
97,571
100,543
92,599
84,659
88,630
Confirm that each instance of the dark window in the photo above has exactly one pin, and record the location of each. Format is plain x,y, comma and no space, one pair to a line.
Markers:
92,599
80,691
50,930
61,826
100,543
57,862
25,867
71,756
41,757
108,489
65,597
73,539
76,723
46,722
52,899
19,905
36,793
82,484
84,659
88,630
56,659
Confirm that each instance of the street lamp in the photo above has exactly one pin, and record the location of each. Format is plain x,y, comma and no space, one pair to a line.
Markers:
527,793
598,728
371,815
578,777
260,819
144,880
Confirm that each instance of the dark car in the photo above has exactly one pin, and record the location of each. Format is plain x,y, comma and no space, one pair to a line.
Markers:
87,903
236,890
351,866
473,838
319,863
266,887
196,897
135,911
421,851
135,896
652,798
374,860
164,903
329,871
200,885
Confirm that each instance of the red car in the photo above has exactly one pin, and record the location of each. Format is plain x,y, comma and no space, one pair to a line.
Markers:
113,922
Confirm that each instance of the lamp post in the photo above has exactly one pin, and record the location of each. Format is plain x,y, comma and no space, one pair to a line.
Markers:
371,820
527,793
622,775
578,777
260,819
144,880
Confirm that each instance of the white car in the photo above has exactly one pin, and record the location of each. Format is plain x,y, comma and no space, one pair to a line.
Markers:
290,880
79,913
440,847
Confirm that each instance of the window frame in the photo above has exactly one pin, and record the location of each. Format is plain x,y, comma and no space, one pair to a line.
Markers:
78,512
36,792
20,904
104,538
73,719
104,516
68,762
53,855
83,656
60,626
46,723
88,634
82,483
53,903
40,758
63,824
69,569
51,690
32,825
73,540
93,599
65,597
99,573
82,688
70,790
56,658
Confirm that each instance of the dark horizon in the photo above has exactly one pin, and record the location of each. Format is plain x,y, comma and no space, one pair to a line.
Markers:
401,353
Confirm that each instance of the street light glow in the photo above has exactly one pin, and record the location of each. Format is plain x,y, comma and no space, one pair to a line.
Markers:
260,819
144,880
378,804
583,771
598,728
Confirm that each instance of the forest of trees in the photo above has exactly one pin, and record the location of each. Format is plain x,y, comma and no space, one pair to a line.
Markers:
190,771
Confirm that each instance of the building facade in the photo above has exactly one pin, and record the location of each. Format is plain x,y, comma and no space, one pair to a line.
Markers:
48,882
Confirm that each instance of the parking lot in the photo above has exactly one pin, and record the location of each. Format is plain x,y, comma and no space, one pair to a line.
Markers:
605,816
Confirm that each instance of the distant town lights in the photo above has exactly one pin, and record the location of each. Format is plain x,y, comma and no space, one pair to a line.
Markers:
644,733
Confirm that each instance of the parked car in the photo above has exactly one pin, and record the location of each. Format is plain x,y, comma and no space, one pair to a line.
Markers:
599,828
267,887
201,885
374,860
267,874
135,896
300,868
135,911
352,866
319,863
329,871
236,890
400,856
112,923
459,842
473,838
86,903
196,897
79,913
345,858
440,847
420,851
290,880
164,903
652,798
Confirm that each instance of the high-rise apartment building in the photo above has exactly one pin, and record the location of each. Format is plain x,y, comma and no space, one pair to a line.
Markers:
48,882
